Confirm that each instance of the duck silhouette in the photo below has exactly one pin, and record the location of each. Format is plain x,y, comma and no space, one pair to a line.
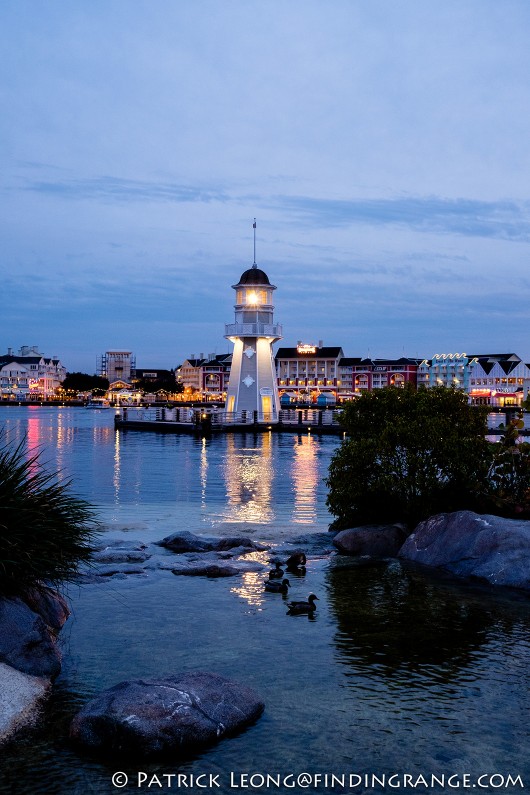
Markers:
298,608
277,587
296,562
277,573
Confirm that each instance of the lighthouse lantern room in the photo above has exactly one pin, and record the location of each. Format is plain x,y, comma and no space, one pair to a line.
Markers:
252,386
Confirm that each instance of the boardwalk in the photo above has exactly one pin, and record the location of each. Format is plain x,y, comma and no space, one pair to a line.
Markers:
209,421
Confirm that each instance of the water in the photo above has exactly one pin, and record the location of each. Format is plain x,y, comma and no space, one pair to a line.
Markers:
397,672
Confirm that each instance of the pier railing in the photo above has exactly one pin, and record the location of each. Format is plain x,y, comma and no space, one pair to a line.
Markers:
217,419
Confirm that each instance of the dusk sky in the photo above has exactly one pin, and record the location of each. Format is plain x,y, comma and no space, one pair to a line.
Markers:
383,146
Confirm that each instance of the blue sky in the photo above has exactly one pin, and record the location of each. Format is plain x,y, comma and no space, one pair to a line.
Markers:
382,146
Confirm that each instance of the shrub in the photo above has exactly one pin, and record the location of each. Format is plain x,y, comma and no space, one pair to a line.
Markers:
45,533
410,454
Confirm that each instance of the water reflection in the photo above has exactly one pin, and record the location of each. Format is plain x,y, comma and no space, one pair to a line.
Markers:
249,476
253,479
250,588
204,472
397,622
305,478
116,479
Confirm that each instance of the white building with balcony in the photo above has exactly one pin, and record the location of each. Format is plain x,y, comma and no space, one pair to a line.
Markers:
29,374
252,385
492,379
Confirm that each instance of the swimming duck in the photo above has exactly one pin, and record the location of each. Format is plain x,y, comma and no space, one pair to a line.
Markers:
296,561
277,573
296,608
277,587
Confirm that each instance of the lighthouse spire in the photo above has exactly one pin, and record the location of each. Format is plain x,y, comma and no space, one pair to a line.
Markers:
254,227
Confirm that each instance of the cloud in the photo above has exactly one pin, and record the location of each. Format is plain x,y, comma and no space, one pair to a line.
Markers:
114,189
501,219
505,220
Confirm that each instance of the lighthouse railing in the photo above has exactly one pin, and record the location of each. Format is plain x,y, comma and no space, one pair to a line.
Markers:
253,330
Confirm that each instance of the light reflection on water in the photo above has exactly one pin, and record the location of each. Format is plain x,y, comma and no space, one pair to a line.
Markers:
252,480
397,671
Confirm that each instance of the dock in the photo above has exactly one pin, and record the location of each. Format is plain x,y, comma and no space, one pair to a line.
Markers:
206,422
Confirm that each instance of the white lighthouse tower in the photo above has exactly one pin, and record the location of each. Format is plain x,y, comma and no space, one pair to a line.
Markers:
252,386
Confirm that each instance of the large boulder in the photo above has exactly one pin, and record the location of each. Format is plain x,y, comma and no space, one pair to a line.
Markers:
468,544
50,605
188,542
377,541
175,715
20,697
26,642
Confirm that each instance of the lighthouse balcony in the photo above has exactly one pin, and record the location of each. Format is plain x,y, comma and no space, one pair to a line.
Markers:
253,330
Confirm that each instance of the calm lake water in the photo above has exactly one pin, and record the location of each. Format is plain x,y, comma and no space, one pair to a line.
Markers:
398,672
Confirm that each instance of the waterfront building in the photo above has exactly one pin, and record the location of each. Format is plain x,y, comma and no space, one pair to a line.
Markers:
29,375
308,370
491,379
360,375
205,378
252,384
117,365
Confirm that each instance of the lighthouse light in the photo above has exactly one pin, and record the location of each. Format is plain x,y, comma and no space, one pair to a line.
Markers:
252,297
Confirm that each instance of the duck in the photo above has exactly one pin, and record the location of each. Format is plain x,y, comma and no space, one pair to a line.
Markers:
296,561
296,608
277,573
277,587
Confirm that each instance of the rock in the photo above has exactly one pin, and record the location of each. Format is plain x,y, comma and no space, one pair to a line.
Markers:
120,556
175,715
468,544
20,697
106,570
26,643
377,541
210,570
50,605
188,542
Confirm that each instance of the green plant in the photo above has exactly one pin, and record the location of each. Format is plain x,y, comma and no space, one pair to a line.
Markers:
410,454
45,533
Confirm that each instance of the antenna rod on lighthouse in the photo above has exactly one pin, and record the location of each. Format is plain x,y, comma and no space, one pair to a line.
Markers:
254,227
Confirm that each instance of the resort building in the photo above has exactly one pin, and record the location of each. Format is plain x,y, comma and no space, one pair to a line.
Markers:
491,379
308,370
205,378
29,375
360,375
117,365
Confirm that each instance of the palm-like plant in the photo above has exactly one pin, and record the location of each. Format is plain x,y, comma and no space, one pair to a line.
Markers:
45,533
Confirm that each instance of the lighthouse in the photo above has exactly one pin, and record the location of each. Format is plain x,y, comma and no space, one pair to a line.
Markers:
252,386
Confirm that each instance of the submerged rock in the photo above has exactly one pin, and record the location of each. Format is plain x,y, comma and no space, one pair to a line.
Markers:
175,715
188,542
26,642
377,541
472,545
210,570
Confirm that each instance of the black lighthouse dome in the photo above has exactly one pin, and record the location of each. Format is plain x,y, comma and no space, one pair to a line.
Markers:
253,275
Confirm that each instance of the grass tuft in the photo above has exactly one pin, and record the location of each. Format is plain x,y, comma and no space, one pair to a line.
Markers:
45,532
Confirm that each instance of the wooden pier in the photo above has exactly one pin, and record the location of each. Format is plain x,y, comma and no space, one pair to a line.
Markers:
201,422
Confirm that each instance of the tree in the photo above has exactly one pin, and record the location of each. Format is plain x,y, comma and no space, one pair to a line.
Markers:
410,454
83,382
45,533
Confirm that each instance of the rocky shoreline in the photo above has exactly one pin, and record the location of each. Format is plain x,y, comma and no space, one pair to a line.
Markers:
487,548
29,656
